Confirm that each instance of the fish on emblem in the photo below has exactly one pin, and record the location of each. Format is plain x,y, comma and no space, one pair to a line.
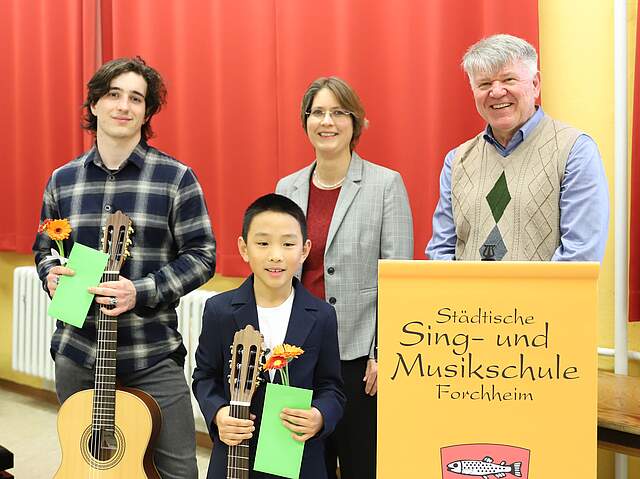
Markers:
484,468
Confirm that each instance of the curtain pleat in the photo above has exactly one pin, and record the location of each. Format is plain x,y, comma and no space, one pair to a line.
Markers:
236,72
44,46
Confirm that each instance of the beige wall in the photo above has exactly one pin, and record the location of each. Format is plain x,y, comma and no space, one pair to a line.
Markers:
576,52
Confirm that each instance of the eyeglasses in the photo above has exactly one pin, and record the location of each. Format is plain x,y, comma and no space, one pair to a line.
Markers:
336,115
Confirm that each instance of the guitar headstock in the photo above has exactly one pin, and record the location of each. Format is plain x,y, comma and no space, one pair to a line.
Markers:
115,240
246,354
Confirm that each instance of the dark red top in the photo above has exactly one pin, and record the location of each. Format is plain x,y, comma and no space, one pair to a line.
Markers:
319,214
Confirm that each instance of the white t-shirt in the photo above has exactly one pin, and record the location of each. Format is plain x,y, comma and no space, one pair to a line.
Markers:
273,323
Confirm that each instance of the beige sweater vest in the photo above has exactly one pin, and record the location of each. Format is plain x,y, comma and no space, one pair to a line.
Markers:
530,224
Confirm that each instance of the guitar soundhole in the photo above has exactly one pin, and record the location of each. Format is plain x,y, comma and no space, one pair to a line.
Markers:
101,449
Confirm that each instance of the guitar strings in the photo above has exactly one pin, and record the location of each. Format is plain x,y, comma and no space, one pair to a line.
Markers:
241,381
232,465
232,451
239,464
95,452
232,468
96,400
93,449
236,464
100,400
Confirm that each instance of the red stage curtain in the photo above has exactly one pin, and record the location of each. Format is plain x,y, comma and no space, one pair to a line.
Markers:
634,216
48,55
236,72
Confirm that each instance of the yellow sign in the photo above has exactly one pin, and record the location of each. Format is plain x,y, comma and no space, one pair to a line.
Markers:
487,369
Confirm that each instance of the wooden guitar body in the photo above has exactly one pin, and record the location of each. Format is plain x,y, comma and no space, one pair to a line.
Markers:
137,418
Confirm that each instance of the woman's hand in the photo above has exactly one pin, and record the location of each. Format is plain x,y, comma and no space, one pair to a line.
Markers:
371,377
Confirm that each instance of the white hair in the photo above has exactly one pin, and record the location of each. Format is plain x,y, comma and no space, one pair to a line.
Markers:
495,52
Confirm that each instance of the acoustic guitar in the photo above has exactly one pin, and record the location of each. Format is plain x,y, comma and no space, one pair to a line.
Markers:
108,432
246,358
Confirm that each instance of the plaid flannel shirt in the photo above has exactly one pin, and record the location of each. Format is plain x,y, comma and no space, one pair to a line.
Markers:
173,249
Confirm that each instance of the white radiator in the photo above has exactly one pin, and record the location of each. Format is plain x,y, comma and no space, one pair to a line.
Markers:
32,329
189,325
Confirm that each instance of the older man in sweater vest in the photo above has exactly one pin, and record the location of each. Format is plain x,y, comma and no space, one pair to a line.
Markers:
527,188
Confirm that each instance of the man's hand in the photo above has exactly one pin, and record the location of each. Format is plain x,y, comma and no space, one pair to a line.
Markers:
371,378
122,290
233,431
304,423
54,276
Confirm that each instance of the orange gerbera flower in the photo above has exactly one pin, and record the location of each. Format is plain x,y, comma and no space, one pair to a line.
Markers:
287,351
275,362
58,230
279,359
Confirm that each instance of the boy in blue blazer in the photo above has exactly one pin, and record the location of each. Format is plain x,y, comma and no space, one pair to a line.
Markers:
274,243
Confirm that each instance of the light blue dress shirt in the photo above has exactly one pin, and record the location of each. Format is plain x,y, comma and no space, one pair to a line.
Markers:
584,201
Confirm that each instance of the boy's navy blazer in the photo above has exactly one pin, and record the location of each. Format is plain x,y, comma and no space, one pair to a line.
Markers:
312,326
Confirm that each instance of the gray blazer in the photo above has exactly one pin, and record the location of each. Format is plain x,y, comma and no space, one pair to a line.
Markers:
372,220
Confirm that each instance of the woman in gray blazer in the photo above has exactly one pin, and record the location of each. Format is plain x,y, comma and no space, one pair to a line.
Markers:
357,213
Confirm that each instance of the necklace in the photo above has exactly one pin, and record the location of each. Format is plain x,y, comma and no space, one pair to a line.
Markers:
324,186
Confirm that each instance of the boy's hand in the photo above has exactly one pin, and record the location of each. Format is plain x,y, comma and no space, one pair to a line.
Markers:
371,378
305,423
233,431
54,276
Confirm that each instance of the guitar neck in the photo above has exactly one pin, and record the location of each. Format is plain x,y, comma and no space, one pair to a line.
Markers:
238,456
246,352
104,400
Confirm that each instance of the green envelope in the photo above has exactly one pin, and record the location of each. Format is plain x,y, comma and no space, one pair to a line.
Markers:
277,452
72,301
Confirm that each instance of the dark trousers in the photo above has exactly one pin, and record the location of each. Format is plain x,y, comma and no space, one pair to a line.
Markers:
354,440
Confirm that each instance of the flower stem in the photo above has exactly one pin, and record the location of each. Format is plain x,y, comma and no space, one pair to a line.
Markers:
60,247
285,375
